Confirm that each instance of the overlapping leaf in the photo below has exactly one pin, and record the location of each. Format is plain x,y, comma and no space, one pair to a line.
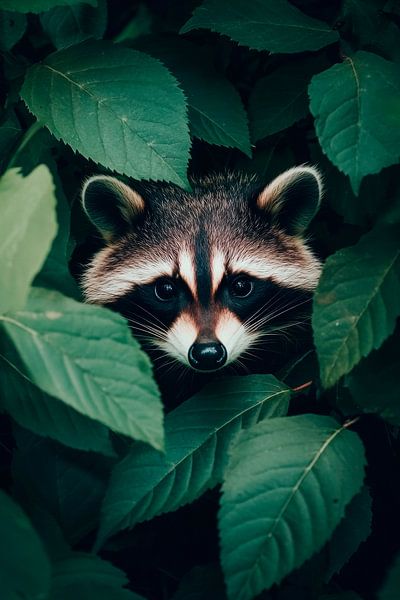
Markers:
38,6
85,356
356,303
357,118
216,112
391,585
86,577
275,26
12,28
68,25
285,490
27,229
24,566
119,107
198,434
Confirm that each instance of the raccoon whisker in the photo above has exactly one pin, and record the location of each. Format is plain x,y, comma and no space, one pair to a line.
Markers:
139,326
253,325
154,317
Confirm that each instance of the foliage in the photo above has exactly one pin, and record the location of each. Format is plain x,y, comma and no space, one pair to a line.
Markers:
104,496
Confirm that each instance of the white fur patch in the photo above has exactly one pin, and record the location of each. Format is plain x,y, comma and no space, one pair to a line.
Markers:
271,195
233,335
181,336
217,269
187,271
101,285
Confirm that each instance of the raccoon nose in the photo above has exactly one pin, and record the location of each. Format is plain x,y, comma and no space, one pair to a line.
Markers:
207,357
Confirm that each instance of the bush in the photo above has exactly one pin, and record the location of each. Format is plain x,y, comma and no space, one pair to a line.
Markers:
156,91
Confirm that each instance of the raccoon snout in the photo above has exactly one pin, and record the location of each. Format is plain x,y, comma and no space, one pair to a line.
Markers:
208,356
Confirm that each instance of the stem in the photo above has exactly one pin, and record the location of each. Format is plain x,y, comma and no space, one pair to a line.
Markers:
26,138
302,387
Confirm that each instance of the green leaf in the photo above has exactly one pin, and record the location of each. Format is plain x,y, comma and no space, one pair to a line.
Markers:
216,113
352,531
275,26
10,131
391,586
12,28
47,416
374,383
27,206
85,356
119,107
86,577
356,302
280,99
37,6
68,25
66,483
24,566
198,433
356,105
286,488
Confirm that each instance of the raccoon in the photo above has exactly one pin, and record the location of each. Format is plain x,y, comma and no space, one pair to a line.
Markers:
209,279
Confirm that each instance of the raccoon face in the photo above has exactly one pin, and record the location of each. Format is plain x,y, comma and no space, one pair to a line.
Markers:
210,277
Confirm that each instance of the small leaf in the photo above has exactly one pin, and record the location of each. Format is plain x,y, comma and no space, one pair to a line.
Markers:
374,383
216,112
275,26
37,6
68,25
27,206
24,566
198,433
88,577
119,107
352,531
12,28
391,586
68,484
286,488
85,356
280,99
355,304
356,105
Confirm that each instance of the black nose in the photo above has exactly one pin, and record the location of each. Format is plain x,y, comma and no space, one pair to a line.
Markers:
207,357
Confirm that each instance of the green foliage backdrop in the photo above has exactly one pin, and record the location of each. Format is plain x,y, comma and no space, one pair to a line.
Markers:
278,486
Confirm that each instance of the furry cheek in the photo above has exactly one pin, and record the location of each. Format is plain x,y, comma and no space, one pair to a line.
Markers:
233,335
180,338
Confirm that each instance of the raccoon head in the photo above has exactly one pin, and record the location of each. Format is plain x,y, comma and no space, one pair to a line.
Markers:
209,276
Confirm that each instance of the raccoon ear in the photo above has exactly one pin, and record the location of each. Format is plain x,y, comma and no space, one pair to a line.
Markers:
293,198
111,205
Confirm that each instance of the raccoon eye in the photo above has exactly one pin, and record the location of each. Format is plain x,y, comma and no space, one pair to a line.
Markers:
165,289
241,287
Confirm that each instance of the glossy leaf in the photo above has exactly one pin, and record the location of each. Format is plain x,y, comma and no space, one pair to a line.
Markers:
286,488
24,566
275,26
133,122
356,302
86,357
28,221
198,434
356,105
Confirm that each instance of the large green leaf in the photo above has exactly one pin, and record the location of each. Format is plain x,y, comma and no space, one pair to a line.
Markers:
85,356
216,112
356,302
352,531
286,488
37,6
27,229
34,409
198,434
88,577
391,586
374,383
68,25
24,566
275,26
119,107
356,105
280,99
